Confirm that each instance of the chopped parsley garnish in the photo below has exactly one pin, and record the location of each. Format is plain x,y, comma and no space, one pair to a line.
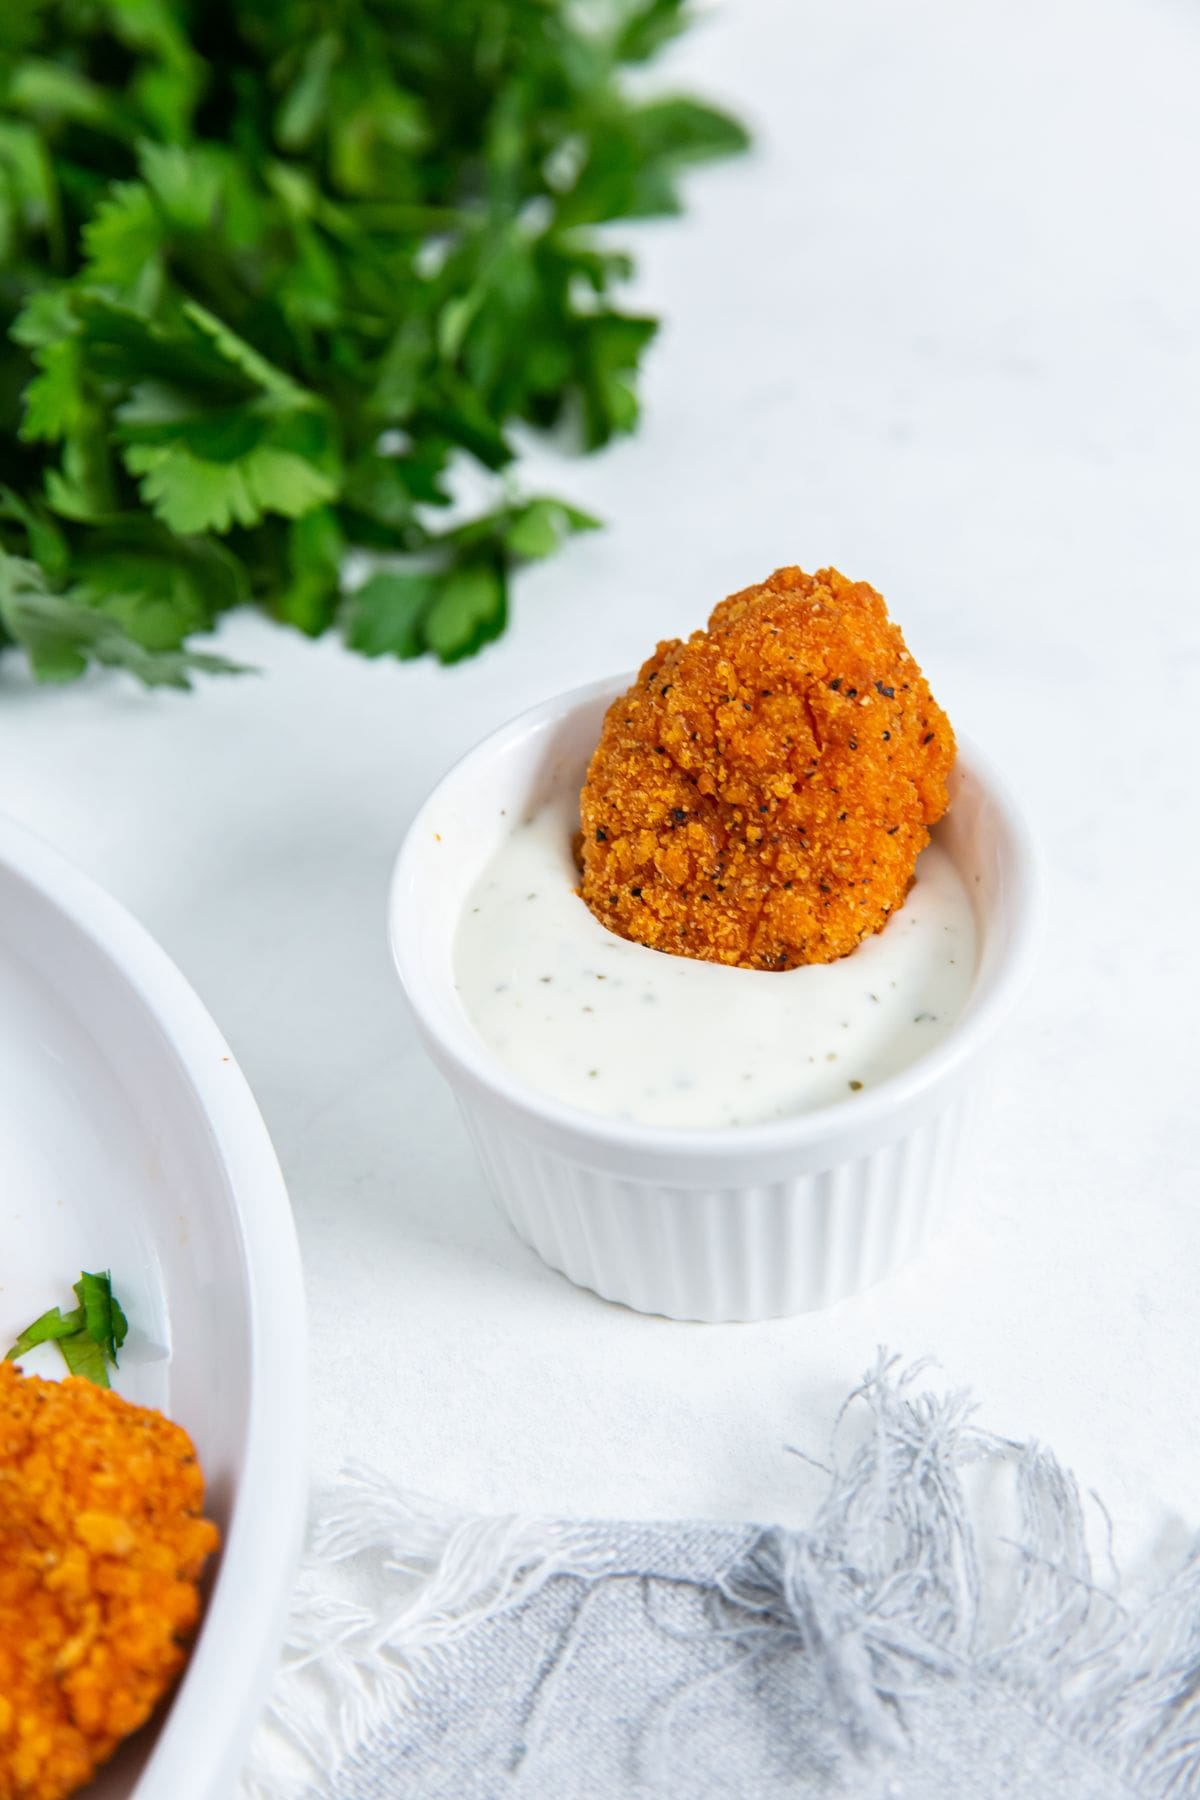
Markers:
89,1336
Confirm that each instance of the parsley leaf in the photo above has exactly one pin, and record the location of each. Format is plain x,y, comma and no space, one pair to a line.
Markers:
89,1336
62,632
276,277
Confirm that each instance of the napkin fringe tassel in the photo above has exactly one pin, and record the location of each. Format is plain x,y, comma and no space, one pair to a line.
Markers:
391,1581
943,1552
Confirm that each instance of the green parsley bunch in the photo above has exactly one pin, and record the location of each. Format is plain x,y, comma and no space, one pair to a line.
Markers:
269,272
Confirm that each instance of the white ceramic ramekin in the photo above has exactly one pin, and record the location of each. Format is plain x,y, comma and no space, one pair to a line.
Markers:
745,1222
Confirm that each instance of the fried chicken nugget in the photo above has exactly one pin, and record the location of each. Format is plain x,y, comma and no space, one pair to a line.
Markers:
761,794
101,1547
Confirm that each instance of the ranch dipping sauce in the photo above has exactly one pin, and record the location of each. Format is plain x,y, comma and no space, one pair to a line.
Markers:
615,1028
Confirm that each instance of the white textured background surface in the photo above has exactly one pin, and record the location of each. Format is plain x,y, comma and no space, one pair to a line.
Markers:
942,330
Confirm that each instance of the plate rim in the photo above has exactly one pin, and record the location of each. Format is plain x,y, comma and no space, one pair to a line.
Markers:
190,1760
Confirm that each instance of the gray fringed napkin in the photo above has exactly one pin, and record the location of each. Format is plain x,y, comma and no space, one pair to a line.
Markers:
898,1649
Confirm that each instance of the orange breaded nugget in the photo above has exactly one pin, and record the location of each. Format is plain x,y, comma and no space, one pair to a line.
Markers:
101,1547
762,792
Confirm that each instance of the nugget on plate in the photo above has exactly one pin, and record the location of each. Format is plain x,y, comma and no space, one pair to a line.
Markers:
761,794
101,1547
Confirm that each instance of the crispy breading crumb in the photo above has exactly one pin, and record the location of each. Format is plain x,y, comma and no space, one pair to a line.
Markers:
761,794
101,1547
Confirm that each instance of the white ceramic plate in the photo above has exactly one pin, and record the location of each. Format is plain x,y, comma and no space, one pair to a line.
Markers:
130,1141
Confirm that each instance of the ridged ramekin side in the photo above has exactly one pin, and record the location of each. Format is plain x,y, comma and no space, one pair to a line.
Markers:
741,1251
